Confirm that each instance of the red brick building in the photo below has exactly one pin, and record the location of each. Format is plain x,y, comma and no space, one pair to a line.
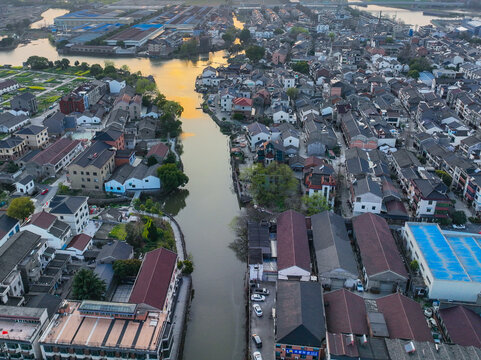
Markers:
72,103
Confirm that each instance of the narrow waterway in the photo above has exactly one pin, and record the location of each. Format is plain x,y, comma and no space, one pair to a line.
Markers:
204,211
47,18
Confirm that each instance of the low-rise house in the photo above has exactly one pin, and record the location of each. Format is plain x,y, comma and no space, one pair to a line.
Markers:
12,148
47,225
366,196
227,95
71,209
9,226
36,137
25,101
10,123
155,285
335,261
382,267
8,85
159,152
243,106
293,259
53,159
79,244
113,251
357,133
346,313
112,137
300,328
25,185
257,134
91,168
129,178
282,114
321,179
126,156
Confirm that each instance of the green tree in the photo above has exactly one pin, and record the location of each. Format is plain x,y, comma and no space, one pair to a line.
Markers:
134,234
414,265
171,177
172,107
76,63
296,30
413,74
301,66
445,177
315,203
170,159
151,160
245,35
64,63
126,268
189,47
420,64
37,62
459,217
255,53
188,267
96,70
293,93
230,35
143,85
121,44
278,31
270,185
21,208
88,286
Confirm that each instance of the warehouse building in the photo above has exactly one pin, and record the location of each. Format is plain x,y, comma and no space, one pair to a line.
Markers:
449,262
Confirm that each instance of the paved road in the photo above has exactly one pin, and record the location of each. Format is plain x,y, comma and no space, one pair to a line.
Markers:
42,200
264,326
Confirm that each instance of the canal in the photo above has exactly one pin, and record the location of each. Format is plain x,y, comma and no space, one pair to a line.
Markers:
216,324
207,206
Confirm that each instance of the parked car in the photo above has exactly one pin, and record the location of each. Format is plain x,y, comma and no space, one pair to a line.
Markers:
262,291
257,297
257,355
359,286
459,227
257,310
44,192
257,340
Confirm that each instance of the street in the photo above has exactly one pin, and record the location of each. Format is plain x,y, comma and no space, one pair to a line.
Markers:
263,326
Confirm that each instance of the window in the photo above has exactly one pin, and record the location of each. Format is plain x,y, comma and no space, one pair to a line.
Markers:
374,208
428,210
358,199
363,207
430,202
94,173
81,173
75,172
87,173
146,180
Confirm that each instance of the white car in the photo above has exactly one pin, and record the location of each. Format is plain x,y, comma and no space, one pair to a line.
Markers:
359,286
257,297
459,227
257,355
257,310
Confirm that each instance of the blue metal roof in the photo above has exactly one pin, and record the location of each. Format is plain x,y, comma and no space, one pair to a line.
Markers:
450,255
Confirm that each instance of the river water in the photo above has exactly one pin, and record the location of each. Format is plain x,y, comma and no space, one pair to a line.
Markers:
216,326
47,18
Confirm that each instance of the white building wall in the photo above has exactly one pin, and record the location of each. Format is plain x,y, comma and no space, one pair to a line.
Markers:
294,271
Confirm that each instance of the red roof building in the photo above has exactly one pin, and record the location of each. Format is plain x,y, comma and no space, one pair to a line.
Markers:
159,151
404,318
461,325
345,313
80,243
157,273
293,258
382,265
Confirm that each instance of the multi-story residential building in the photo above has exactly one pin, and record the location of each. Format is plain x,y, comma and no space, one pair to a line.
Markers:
321,179
12,148
21,330
9,226
53,159
428,198
366,196
56,231
36,137
91,168
111,136
357,134
71,209
97,329
72,103
10,123
257,134
25,101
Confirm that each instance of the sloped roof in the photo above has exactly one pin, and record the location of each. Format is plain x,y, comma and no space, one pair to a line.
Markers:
79,242
404,318
292,242
31,130
43,219
159,149
55,152
331,243
62,204
378,249
345,313
300,313
152,283
463,325
7,223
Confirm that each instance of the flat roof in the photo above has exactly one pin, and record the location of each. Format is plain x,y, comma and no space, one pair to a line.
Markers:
450,255
105,332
